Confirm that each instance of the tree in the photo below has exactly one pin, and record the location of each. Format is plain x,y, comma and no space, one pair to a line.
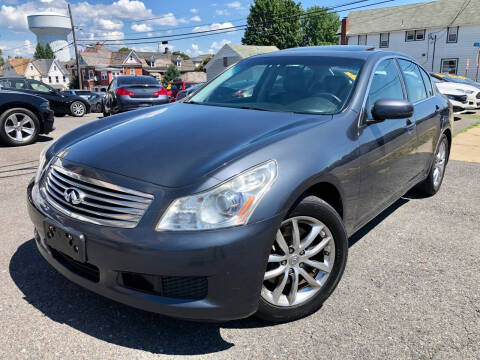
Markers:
124,49
201,67
171,74
39,52
274,22
49,54
2,61
181,54
319,27
73,83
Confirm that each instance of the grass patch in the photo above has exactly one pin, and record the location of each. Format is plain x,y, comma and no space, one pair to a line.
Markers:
469,127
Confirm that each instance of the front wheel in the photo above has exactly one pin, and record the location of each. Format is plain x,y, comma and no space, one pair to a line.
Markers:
18,127
78,109
306,262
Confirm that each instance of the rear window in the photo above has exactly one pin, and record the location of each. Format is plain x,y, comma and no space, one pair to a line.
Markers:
13,83
134,80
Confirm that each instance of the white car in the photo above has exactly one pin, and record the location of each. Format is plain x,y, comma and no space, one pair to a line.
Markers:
472,92
457,98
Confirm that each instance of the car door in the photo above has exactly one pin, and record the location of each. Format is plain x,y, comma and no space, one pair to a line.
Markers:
426,112
386,147
56,100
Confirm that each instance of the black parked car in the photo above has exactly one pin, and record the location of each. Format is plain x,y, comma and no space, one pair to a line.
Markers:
23,117
60,104
85,94
223,206
133,92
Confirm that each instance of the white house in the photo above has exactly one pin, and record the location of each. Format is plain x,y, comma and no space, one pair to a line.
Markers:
52,72
229,54
440,34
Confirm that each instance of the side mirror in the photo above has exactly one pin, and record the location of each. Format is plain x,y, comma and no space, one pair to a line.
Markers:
391,109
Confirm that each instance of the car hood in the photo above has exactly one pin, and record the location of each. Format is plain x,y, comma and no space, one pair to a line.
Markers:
174,145
458,86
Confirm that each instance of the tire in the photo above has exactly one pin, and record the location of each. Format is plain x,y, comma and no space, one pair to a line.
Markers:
78,109
105,114
98,108
433,182
18,126
329,243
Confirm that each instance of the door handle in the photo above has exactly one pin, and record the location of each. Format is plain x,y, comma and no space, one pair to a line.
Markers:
410,125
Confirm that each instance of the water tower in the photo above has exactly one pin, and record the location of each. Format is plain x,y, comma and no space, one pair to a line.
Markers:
53,29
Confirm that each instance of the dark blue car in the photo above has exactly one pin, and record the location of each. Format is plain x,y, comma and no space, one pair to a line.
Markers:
225,206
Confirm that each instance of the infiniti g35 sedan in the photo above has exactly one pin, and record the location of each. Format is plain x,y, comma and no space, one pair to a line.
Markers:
222,206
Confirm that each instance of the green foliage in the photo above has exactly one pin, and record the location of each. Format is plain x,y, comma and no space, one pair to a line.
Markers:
181,54
73,83
49,54
274,22
171,74
201,67
319,27
124,49
2,61
39,52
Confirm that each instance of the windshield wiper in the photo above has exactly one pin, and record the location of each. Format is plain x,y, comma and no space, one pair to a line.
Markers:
259,108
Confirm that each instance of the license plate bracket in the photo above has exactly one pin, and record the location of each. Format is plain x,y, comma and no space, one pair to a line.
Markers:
68,241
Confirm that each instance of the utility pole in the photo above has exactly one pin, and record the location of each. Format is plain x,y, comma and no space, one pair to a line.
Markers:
79,73
433,55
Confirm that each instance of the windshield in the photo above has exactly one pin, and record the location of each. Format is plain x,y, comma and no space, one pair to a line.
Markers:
300,84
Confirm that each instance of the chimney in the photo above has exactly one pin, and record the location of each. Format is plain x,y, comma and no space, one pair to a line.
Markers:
166,50
344,31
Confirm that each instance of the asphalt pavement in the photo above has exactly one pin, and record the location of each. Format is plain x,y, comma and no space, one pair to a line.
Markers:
411,289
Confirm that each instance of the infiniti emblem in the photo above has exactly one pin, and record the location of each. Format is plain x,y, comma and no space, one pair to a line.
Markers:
73,195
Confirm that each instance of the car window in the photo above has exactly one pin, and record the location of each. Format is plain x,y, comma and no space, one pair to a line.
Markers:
133,80
300,84
13,83
385,84
427,82
36,85
82,92
413,81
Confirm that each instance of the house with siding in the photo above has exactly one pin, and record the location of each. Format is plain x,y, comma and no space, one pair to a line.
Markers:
50,71
440,34
230,54
16,66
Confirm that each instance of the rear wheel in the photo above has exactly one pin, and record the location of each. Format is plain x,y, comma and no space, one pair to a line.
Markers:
432,183
18,127
306,262
78,109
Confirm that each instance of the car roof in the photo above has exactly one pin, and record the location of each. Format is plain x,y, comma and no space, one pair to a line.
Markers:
348,51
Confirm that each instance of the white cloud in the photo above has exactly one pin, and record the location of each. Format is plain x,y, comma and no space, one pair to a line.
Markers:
194,11
168,19
222,12
109,24
234,5
141,27
214,26
195,18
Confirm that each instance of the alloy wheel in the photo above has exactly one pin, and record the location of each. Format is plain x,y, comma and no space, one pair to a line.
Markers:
78,108
19,127
439,165
299,263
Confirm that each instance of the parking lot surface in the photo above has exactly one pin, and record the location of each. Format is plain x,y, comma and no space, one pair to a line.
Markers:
411,289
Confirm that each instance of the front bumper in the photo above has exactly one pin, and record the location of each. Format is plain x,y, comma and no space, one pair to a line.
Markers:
47,118
232,261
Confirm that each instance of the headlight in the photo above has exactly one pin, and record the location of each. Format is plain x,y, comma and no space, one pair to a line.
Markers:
45,105
41,164
229,204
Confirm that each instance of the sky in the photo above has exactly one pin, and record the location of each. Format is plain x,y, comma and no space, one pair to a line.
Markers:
98,20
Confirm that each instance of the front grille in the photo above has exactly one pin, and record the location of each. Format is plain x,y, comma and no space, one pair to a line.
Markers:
86,270
100,203
179,287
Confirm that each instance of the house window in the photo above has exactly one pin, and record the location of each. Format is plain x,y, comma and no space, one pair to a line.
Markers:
49,79
90,74
410,35
83,74
104,75
54,68
131,58
452,34
56,79
362,39
419,35
31,67
384,40
132,71
449,66
225,61
178,63
64,79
